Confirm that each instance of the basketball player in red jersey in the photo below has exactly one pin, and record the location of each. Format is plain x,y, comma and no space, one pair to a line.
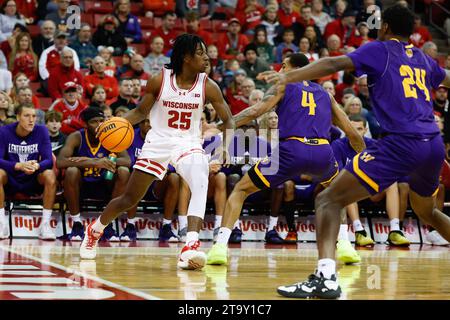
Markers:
174,102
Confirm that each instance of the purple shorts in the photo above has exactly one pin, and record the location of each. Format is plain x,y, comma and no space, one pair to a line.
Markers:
28,186
291,159
395,157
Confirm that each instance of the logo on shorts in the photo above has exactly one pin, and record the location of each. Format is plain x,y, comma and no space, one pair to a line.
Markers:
366,157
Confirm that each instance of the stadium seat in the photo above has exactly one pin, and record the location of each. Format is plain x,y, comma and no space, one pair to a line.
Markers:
140,48
147,35
137,9
87,18
157,22
34,30
98,7
145,22
206,25
220,25
97,19
117,60
45,102
180,25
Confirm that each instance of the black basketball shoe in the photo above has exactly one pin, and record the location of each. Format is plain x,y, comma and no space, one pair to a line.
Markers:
314,287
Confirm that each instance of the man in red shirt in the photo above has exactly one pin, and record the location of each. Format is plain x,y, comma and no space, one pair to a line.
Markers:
236,106
62,73
166,30
286,14
344,28
100,78
420,34
250,16
231,44
193,27
137,71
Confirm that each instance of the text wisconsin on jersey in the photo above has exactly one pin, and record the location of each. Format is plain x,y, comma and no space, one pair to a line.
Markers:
180,105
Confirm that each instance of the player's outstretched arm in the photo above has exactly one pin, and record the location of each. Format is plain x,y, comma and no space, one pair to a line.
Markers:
141,112
270,100
315,70
341,120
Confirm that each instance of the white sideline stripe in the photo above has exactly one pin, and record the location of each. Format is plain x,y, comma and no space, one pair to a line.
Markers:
16,267
46,280
87,276
27,273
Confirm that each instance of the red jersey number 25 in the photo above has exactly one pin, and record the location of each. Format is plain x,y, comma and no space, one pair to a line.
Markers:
179,120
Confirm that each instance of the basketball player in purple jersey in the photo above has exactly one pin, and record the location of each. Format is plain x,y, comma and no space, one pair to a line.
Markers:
400,78
305,112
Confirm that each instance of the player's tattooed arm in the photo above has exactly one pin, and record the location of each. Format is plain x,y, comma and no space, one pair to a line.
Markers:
270,100
142,111
341,120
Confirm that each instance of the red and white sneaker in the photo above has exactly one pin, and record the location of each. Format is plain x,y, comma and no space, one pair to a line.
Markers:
191,258
88,248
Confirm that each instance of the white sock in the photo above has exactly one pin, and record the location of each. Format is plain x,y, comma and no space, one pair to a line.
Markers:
131,220
343,232
182,221
76,217
395,224
224,236
217,221
191,236
98,226
272,222
167,221
46,214
327,267
2,214
358,225
237,224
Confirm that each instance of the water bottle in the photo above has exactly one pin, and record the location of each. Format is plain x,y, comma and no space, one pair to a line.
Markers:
109,174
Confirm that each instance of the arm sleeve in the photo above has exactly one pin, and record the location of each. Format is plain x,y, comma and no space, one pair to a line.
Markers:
43,72
45,150
370,59
6,165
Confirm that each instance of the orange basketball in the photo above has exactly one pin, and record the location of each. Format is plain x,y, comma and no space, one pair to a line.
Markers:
116,134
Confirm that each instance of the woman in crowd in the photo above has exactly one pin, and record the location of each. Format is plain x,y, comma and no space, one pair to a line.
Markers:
23,59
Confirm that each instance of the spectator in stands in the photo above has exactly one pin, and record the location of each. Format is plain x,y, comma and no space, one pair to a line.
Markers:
248,85
107,111
24,96
46,38
344,27
288,42
71,106
98,98
6,107
106,53
61,16
229,72
53,121
270,21
137,90
6,81
232,43
125,97
347,94
361,36
338,9
329,87
364,15
265,50
23,59
167,31
26,166
320,17
334,46
305,21
193,27
253,65
20,81
286,14
85,160
129,24
98,77
250,16
305,48
108,35
126,59
348,81
315,40
63,73
431,49
420,34
233,90
9,17
51,58
217,64
441,103
7,45
120,111
156,6
84,47
183,6
137,71
28,10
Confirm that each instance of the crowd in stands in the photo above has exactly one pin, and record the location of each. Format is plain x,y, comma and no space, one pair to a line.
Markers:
70,79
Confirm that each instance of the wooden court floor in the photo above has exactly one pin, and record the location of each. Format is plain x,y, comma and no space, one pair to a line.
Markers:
34,269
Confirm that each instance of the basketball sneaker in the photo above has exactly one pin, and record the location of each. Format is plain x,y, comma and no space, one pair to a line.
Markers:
273,237
109,234
315,287
166,234
182,235
191,258
236,236
218,254
46,232
346,253
397,238
129,234
88,248
3,230
362,239
436,239
77,233
291,237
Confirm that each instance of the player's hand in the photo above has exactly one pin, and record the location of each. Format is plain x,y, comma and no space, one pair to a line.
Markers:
25,167
105,163
272,77
78,159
